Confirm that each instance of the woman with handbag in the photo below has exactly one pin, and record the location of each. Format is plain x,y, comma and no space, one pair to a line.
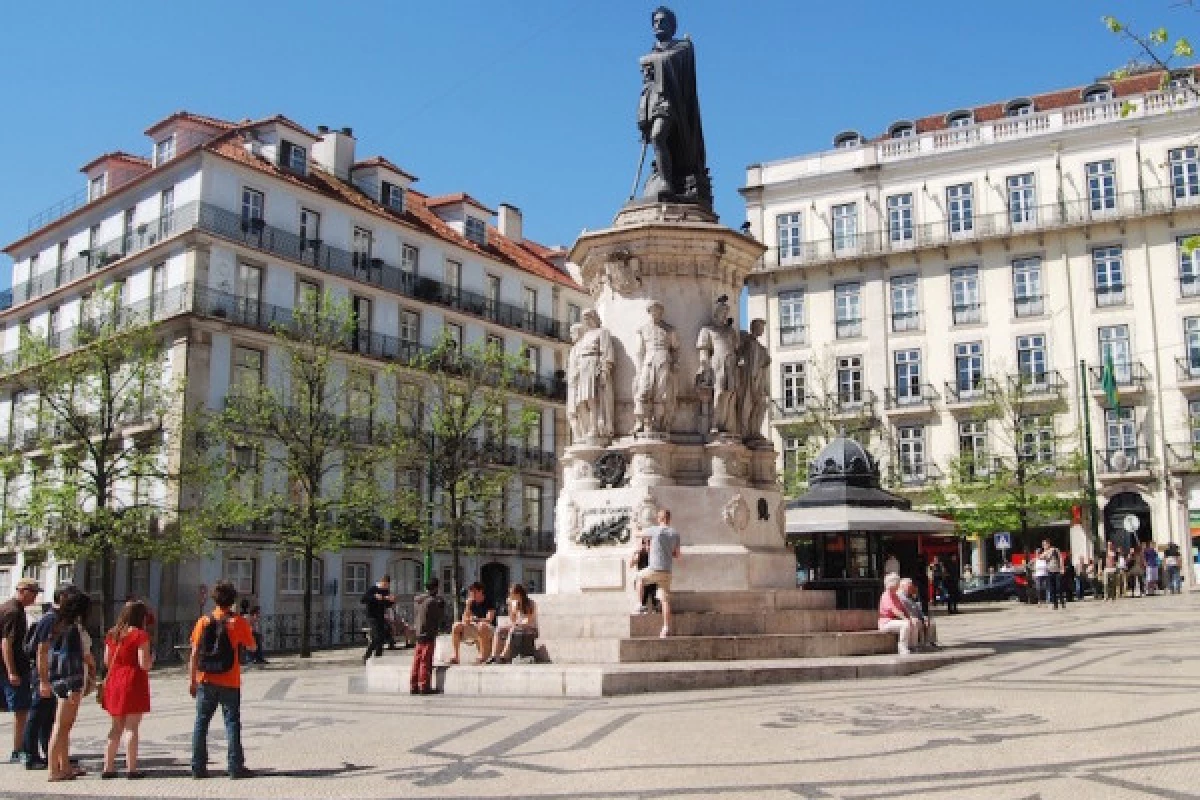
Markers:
126,691
72,669
523,627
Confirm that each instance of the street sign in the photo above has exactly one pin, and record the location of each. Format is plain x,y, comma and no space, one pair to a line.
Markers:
1002,540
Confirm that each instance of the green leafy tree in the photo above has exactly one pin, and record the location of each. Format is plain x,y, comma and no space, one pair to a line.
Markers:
94,468
312,454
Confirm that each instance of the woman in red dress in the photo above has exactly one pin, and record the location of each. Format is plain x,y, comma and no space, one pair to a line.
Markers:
127,688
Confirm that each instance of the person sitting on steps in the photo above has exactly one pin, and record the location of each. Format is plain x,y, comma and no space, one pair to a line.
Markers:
477,624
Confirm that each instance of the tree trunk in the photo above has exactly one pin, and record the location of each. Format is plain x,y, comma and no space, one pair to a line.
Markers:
454,568
108,579
306,612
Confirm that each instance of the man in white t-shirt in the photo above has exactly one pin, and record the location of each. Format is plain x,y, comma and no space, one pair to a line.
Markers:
1054,574
664,549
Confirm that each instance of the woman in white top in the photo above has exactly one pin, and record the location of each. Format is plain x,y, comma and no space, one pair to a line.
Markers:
1041,574
522,618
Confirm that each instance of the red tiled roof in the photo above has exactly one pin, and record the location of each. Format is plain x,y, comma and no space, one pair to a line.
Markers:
212,122
380,161
116,155
457,197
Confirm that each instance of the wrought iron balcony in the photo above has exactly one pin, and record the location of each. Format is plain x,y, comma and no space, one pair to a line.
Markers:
1183,457
1118,461
916,398
967,313
1114,295
1130,376
1189,286
974,393
1030,305
915,474
850,403
793,334
848,328
1189,369
906,321
1027,386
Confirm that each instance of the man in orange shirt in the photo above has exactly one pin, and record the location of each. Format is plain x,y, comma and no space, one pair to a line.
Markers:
216,679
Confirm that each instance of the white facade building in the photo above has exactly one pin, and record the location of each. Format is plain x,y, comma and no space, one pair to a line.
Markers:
217,235
1008,242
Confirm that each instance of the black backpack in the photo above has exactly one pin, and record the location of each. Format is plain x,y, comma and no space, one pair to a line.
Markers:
67,671
217,654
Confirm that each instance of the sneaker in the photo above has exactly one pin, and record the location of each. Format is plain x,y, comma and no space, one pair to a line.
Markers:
16,757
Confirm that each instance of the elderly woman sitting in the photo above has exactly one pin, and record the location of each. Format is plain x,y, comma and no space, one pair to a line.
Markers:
925,627
893,615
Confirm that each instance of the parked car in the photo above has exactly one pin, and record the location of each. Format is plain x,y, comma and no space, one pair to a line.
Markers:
985,588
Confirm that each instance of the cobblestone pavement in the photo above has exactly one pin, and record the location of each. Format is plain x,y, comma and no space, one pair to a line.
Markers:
1096,701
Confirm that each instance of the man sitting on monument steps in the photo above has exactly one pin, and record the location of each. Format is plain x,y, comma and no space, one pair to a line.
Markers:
664,548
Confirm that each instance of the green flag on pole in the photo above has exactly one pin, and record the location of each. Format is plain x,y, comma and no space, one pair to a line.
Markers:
1108,381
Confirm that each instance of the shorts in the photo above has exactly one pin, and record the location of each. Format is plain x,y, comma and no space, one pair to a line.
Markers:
16,698
471,631
659,578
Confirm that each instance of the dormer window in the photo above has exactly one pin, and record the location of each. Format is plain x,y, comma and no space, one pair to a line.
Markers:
1097,93
293,157
98,186
960,119
1180,79
475,230
847,139
393,196
1019,107
902,130
164,150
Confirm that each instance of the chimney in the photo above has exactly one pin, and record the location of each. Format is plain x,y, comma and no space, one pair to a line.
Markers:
510,222
334,151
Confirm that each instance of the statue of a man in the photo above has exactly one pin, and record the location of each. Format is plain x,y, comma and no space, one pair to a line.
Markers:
669,117
572,382
718,346
756,381
591,392
657,356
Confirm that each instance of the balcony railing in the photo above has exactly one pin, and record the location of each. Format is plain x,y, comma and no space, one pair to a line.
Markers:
789,408
967,313
915,474
256,234
1189,286
1183,457
1110,296
848,403
1131,376
1030,305
793,334
1189,368
1031,385
1122,460
905,321
980,391
920,397
848,328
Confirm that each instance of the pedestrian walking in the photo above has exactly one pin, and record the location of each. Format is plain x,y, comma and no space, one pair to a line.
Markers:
45,704
1041,576
126,694
937,574
16,681
1054,574
430,610
215,679
1171,566
953,585
1152,560
72,670
664,549
378,599
1112,573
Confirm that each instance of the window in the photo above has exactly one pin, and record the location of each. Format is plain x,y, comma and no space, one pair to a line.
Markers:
847,299
911,453
1194,423
1109,275
410,326
166,212
241,573
849,382
960,119
1102,185
1114,344
252,210
964,294
308,294
291,575
1022,199
361,249
533,358
1037,438
574,314
793,453
847,139
902,130
310,229
968,368
158,288
1180,79
359,396
906,314
393,196
973,446
533,438
1097,94
900,217
454,332
531,508
127,230
845,226
475,230
164,150
452,272
960,209
98,186
409,258
529,301
793,386
1189,269
791,236
1031,360
1120,434
248,291
1191,337
65,574
94,243
355,579
908,376
1018,108
1027,287
247,371
791,317
139,577
293,157
1185,172
535,579
494,342
362,323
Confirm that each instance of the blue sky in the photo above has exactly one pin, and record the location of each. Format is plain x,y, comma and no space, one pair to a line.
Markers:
530,102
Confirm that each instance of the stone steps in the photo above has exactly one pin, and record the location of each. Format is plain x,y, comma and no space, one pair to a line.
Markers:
719,648
588,603
710,623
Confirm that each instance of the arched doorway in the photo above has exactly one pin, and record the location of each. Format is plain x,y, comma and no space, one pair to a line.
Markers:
1127,520
494,577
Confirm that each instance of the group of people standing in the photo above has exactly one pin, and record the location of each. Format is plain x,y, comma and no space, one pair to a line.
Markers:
1134,571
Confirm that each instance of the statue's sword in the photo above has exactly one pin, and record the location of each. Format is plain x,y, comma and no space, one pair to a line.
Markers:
637,178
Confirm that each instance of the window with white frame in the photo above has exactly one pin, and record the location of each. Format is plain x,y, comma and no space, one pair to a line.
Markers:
792,377
454,332
166,211
531,507
907,365
360,256
1037,438
791,317
849,382
1185,172
64,574
308,295
793,455
533,359
911,452
961,119
355,578
293,157
574,314
900,217
393,196
310,229
906,310
410,327
409,259
1102,185
1120,435
1031,360
1191,338
960,208
968,368
247,371
98,186
241,573
1027,287
529,301
1114,345
291,575
452,275
845,226
847,304
139,578
475,230
1109,274
1194,424
791,236
246,475
1098,94
1189,268
964,294
1022,199
252,209
973,446
533,436
164,150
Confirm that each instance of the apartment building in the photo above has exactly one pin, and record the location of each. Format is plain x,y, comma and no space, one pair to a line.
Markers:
217,235
913,273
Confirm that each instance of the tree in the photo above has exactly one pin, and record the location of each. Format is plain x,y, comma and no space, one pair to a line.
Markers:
1028,474
95,470
311,453
472,442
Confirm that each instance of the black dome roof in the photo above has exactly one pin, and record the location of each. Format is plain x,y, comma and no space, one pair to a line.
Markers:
844,460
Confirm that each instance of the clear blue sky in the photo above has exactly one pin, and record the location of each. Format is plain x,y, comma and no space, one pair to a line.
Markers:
530,102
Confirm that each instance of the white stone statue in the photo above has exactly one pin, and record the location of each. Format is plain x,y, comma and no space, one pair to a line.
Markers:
657,357
590,387
718,346
756,381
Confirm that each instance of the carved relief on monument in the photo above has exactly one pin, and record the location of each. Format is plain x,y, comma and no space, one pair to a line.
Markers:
736,513
619,271
717,344
656,354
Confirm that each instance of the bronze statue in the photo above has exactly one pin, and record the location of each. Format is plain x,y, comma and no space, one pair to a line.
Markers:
669,118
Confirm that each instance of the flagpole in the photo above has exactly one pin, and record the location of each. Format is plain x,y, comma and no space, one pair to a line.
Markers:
1093,508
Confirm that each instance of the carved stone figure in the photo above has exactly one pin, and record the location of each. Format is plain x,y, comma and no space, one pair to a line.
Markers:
736,513
756,380
704,396
669,117
657,356
718,346
589,388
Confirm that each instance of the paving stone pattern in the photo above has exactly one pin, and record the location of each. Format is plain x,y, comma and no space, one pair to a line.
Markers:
1096,701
